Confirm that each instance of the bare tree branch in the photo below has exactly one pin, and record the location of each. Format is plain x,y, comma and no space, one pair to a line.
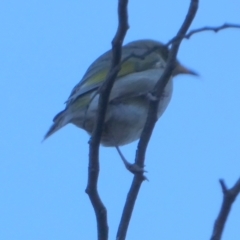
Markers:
150,123
229,196
93,169
203,29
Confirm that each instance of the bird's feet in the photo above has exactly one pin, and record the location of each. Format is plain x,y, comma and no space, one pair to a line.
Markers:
132,167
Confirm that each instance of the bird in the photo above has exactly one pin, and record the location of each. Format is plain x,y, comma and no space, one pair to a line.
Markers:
142,64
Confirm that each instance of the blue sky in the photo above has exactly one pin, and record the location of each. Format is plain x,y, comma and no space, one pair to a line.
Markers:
45,48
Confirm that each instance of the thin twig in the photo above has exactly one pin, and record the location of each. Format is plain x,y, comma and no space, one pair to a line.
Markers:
203,29
93,169
151,119
229,196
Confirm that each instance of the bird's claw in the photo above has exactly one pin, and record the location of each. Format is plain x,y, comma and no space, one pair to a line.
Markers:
135,169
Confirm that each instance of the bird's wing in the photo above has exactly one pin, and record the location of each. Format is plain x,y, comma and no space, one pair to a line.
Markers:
136,57
135,85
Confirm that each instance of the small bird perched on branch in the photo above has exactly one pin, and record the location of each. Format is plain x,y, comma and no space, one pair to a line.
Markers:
142,65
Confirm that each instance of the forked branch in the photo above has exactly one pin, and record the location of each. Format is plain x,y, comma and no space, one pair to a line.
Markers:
150,123
229,196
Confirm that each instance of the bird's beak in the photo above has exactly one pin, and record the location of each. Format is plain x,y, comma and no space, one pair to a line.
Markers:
180,69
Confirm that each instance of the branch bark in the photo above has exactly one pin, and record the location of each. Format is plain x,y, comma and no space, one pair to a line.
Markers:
229,196
151,120
93,168
204,29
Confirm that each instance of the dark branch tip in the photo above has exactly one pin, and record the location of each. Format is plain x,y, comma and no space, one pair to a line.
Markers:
223,186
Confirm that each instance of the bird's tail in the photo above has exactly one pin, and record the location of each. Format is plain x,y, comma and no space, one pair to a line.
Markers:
59,121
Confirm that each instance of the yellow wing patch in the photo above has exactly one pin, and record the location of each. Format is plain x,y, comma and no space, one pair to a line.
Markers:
81,102
127,68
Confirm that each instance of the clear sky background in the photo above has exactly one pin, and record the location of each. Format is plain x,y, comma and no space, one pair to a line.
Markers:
45,48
